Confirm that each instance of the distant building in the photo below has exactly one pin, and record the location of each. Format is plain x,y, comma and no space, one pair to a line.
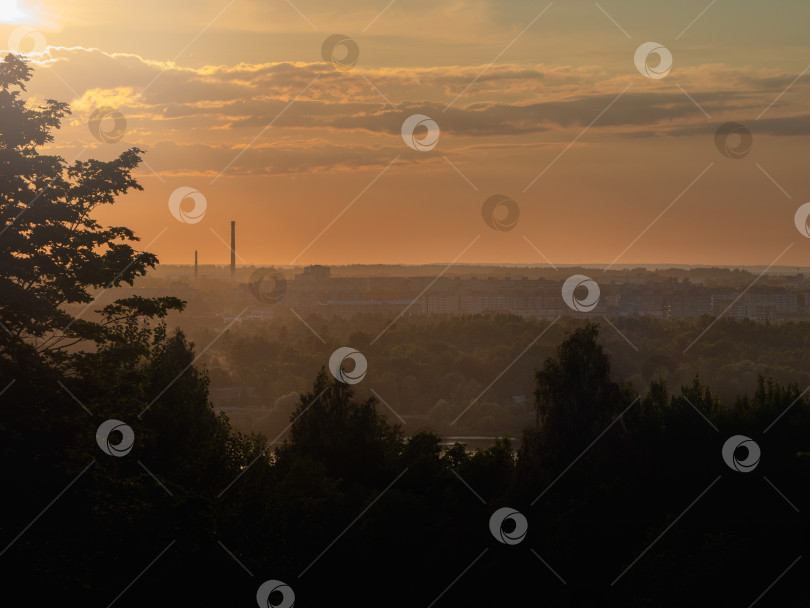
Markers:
315,273
639,293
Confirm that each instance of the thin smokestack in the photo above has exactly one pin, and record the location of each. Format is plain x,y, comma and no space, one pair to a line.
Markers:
233,250
196,273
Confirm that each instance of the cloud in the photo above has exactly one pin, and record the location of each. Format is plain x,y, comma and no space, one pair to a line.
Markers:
784,126
309,117
277,158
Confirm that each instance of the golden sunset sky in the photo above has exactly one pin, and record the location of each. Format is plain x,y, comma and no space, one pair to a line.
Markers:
540,102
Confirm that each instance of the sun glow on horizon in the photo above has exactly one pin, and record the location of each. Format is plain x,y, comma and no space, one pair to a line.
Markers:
10,12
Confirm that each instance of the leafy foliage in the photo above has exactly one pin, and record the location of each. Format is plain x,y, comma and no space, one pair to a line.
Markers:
52,250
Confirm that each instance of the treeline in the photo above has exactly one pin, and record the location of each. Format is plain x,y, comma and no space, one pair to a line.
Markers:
429,369
347,510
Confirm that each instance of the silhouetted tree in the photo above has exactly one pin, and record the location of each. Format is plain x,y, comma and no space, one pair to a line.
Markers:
52,250
349,438
53,254
575,396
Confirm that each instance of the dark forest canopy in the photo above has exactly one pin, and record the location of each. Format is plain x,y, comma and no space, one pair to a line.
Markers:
429,368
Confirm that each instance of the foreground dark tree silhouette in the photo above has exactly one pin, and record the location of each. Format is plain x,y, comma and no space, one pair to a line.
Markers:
52,250
53,254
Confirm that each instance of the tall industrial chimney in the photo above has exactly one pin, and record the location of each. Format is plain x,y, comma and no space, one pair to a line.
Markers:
196,274
233,250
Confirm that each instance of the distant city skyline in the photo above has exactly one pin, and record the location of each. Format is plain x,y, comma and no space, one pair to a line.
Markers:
609,154
543,293
782,269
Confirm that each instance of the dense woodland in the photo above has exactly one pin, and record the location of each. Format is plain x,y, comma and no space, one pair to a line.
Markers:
429,369
627,496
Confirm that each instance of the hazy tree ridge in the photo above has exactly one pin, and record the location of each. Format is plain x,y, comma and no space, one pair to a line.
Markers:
346,510
429,369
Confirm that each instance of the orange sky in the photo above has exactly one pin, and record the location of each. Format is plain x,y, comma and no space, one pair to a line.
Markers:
236,101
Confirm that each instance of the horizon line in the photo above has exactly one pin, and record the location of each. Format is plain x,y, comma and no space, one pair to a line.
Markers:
665,265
